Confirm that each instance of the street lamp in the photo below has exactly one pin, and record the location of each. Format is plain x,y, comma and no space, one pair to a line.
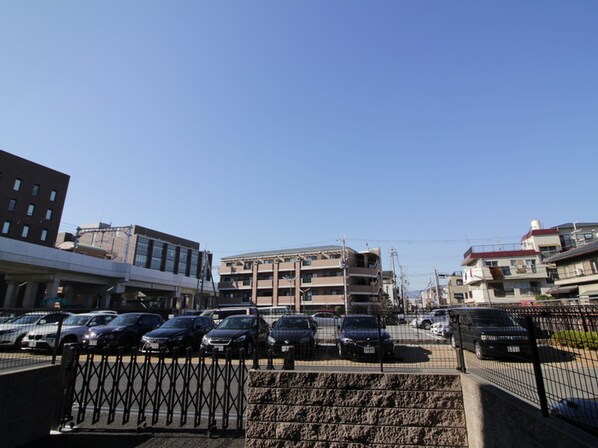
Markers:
291,281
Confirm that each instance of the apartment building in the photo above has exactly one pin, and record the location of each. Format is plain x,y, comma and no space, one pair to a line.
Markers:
32,199
577,271
305,279
456,289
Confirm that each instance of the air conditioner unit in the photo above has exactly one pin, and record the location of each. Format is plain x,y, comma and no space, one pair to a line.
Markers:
578,272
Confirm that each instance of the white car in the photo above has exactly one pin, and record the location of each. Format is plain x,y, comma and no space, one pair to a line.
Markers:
73,329
13,332
443,329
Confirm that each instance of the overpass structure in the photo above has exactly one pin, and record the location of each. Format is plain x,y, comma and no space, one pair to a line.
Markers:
31,274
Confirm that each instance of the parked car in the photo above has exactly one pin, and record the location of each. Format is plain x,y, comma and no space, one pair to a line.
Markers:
581,412
426,320
73,329
489,332
179,332
272,313
13,332
442,328
359,337
297,331
125,330
327,319
218,314
236,332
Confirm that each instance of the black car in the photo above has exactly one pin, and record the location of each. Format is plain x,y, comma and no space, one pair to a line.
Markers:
360,337
179,332
295,331
124,331
236,332
489,332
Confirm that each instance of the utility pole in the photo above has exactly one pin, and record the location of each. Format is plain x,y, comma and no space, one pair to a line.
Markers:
437,287
344,265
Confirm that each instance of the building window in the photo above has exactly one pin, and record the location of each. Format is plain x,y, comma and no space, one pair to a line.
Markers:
247,265
25,232
12,205
49,214
170,258
44,236
459,282
506,270
182,270
53,194
5,227
307,296
30,209
141,253
490,264
35,190
194,264
157,253
17,185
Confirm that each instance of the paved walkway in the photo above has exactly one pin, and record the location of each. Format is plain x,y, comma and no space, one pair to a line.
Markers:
128,440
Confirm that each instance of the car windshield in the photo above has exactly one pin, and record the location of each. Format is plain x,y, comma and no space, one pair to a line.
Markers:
293,324
178,323
492,319
76,320
360,322
26,319
130,319
236,323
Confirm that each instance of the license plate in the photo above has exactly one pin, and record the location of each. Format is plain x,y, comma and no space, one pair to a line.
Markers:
285,348
513,349
154,345
32,344
93,342
369,350
219,348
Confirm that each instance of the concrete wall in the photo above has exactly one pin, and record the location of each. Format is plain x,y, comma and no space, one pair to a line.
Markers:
497,419
28,399
352,410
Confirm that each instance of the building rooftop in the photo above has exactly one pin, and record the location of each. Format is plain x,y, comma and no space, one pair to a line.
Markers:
297,251
576,252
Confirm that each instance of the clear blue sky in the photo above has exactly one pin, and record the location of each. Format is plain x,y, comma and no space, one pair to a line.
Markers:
427,126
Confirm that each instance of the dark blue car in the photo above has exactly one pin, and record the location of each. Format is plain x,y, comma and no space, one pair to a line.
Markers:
361,336
297,331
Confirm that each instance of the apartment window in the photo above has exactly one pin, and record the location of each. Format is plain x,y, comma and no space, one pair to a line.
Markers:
49,214
53,194
12,205
17,185
35,190
459,282
44,236
490,264
306,262
30,209
5,227
594,265
506,270
307,296
25,232
246,297
247,265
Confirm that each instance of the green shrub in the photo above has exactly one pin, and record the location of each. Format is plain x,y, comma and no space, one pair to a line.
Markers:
576,339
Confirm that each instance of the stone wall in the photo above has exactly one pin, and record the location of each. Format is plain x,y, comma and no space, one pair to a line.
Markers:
352,410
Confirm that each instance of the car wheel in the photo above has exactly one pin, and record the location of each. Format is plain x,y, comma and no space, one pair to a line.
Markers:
478,351
19,342
426,324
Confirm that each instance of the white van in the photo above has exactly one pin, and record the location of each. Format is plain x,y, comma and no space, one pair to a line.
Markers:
272,313
217,314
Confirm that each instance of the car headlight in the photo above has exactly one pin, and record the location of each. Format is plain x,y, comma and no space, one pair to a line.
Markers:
489,337
271,340
144,338
206,340
347,340
241,338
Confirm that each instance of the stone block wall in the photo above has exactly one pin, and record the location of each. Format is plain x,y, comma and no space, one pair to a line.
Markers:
351,410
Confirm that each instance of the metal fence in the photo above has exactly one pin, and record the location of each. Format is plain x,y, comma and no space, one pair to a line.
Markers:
189,391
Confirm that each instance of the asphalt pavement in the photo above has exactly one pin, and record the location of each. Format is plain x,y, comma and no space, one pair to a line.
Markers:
171,439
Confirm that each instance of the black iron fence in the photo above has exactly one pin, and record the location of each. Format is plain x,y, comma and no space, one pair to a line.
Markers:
191,391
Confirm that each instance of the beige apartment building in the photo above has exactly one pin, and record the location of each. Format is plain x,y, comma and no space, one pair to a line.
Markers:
306,279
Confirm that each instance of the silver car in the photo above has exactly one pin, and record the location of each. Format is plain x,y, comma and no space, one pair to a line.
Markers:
73,329
13,332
